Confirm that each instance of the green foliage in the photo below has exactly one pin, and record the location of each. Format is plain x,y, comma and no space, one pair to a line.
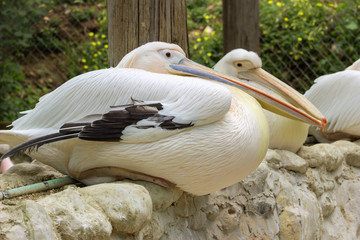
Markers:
95,50
305,39
205,30
15,94
79,15
16,26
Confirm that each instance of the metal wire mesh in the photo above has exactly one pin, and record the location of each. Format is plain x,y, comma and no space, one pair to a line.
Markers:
301,39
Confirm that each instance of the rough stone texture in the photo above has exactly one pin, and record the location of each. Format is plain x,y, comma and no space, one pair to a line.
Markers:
285,159
25,220
351,152
26,173
75,216
325,154
128,206
312,195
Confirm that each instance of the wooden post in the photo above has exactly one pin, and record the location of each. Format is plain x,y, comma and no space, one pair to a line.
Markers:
241,25
132,23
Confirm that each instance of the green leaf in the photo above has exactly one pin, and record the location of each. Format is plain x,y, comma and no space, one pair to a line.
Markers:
352,26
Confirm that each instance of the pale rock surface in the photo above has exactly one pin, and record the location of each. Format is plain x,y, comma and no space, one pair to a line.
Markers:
285,159
310,195
351,152
322,154
25,220
25,173
127,206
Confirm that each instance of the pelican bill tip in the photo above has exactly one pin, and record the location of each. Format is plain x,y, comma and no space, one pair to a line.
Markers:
324,120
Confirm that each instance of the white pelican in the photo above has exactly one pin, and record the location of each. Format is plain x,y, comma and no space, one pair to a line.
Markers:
202,135
337,96
285,133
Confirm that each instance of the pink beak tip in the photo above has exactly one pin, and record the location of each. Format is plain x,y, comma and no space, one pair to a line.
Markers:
6,164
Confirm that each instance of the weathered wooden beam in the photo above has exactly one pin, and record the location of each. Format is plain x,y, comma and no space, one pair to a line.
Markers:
241,25
132,23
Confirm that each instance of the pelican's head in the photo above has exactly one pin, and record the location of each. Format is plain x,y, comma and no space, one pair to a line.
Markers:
153,57
160,57
246,66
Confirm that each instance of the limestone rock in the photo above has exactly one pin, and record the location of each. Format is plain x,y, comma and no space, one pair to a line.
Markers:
328,203
75,216
25,220
161,197
128,206
26,173
319,181
286,159
313,195
351,152
353,158
322,154
301,215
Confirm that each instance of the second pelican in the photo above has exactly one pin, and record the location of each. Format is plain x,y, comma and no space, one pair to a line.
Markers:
285,133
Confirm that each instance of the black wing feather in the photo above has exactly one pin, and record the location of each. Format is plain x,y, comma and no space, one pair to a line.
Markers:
106,127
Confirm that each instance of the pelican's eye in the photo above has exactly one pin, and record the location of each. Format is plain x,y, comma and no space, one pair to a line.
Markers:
168,54
239,64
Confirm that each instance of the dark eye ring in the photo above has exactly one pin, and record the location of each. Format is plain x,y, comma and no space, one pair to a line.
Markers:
168,54
239,64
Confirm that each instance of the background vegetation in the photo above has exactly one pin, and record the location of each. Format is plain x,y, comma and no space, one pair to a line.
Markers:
45,42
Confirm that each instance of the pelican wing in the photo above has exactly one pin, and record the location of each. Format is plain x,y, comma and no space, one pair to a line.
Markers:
132,123
337,97
186,98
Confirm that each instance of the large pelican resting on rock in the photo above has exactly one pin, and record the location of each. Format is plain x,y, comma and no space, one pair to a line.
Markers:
141,121
285,133
337,96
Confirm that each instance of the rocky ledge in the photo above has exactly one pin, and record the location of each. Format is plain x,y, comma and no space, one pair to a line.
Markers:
313,194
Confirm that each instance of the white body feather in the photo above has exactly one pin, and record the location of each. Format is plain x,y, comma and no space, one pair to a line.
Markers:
337,96
228,140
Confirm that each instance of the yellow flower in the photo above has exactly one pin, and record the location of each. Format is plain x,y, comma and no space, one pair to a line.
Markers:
300,13
106,46
96,67
197,34
286,19
296,57
198,39
93,43
103,36
279,4
299,39
95,55
91,34
319,4
213,33
264,32
98,43
99,53
83,60
86,67
270,2
209,54
206,38
206,16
